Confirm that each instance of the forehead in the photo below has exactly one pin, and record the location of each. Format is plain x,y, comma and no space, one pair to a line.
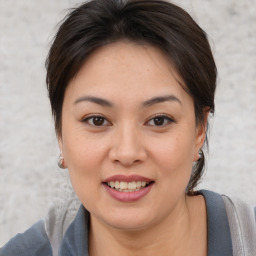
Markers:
130,56
127,69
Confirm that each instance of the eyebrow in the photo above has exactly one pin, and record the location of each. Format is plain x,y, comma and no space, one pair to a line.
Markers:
99,101
147,103
161,99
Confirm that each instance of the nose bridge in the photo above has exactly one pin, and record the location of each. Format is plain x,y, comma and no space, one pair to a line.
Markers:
127,146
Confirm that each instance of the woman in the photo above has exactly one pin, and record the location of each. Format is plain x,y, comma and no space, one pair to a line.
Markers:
131,85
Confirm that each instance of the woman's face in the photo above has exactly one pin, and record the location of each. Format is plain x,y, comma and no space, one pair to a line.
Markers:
129,136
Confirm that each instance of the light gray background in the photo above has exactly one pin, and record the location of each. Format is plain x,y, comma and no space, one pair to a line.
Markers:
29,177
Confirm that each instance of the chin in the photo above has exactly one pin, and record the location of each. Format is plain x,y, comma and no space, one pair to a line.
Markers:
127,220
130,225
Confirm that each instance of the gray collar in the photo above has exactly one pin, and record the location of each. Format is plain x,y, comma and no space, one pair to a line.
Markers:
75,241
219,236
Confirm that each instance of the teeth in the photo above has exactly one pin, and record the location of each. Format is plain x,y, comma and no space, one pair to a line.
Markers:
132,185
112,184
123,185
127,186
117,185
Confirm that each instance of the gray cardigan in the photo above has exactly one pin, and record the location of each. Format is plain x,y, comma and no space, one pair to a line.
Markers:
69,237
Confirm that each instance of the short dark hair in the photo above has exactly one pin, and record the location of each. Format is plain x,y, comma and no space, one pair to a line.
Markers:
159,23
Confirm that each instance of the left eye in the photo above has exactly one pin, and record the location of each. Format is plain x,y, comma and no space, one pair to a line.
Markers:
96,121
159,121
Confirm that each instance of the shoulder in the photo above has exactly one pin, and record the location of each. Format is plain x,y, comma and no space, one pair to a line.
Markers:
236,218
59,218
242,221
240,213
34,241
45,236
232,205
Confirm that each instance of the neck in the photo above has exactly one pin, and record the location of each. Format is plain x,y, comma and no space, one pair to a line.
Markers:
178,234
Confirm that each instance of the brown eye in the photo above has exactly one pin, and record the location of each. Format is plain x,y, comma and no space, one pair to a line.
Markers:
96,121
160,120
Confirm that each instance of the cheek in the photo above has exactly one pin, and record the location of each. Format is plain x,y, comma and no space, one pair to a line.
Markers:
175,160
84,154
84,160
175,152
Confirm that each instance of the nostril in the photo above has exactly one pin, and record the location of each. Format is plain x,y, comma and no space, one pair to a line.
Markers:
127,148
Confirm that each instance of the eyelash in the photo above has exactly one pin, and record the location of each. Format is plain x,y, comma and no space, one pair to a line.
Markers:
93,118
166,120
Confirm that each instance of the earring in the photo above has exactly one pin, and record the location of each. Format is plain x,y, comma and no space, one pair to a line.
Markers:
61,161
200,153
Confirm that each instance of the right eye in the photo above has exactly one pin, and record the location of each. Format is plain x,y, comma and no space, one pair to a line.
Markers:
96,121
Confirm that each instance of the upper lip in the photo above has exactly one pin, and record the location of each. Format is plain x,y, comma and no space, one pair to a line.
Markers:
127,178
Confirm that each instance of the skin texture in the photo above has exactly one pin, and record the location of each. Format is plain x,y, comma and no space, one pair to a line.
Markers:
127,141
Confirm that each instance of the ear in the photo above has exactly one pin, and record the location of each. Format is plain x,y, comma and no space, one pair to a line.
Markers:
60,143
64,165
201,130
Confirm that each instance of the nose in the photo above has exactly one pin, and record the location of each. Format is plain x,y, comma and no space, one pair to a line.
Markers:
127,147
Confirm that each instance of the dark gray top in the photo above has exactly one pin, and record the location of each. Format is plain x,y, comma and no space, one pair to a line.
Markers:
34,242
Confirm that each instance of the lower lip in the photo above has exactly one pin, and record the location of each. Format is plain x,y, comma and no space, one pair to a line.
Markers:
128,196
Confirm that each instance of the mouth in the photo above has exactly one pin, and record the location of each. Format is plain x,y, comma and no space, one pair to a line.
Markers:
128,188
123,186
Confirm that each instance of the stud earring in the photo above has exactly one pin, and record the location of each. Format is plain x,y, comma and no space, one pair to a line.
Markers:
200,153
61,161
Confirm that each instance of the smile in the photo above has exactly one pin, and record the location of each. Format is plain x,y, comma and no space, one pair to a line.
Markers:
132,186
128,188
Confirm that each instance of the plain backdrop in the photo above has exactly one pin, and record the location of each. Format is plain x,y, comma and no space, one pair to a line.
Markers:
30,180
